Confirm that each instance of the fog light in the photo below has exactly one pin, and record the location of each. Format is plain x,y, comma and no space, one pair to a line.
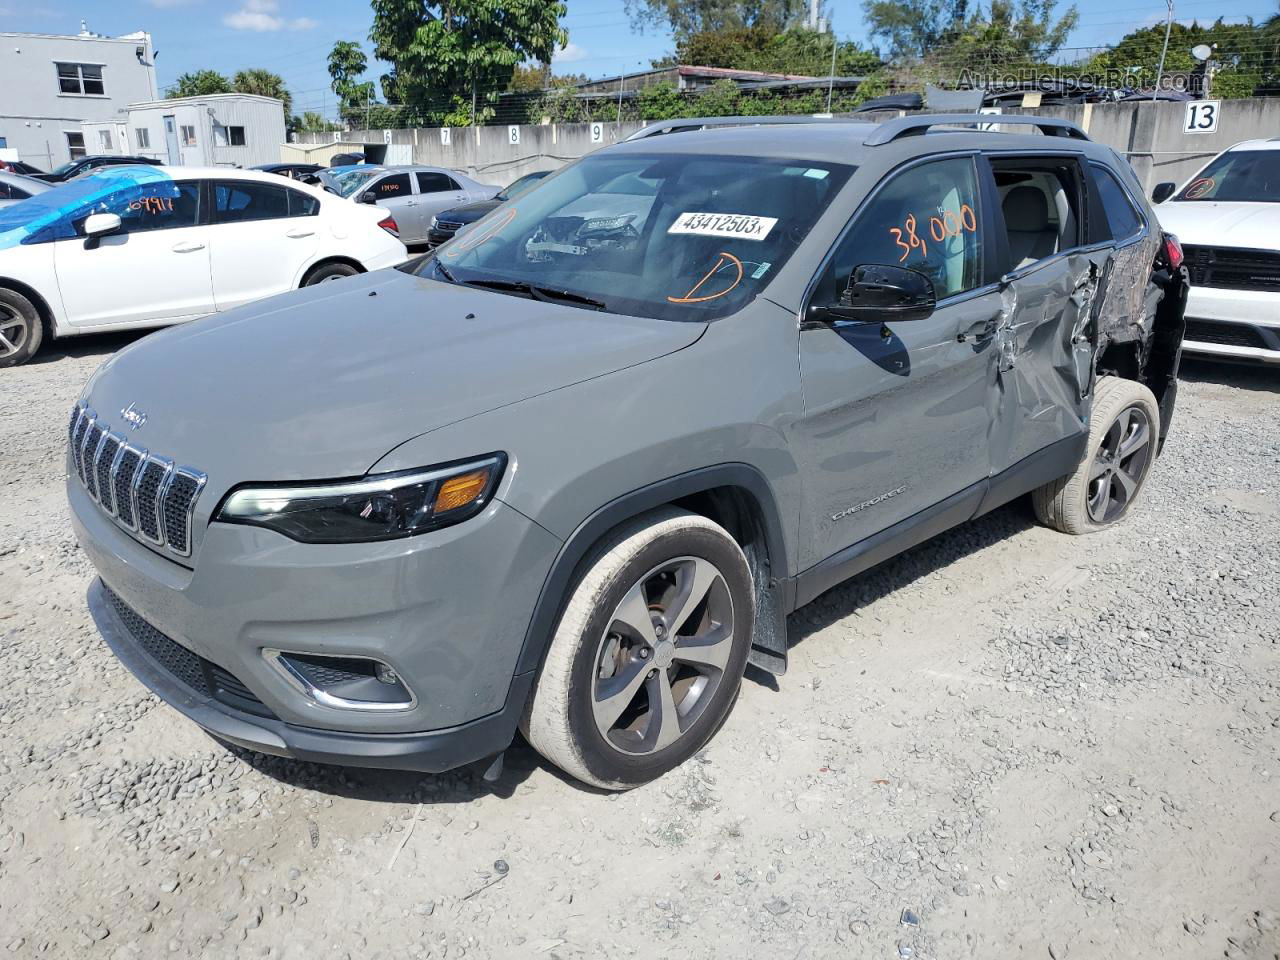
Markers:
384,673
345,683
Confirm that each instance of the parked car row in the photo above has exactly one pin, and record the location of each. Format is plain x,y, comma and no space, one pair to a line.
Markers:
145,246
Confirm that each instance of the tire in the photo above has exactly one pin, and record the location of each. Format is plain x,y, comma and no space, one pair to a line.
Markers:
644,573
330,271
20,326
1101,491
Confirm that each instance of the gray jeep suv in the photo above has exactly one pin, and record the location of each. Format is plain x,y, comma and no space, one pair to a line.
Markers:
570,472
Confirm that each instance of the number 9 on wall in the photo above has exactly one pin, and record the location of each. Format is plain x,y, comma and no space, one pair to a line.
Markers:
1201,116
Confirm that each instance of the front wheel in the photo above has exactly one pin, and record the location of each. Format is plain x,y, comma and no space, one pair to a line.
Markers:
21,329
1124,434
646,661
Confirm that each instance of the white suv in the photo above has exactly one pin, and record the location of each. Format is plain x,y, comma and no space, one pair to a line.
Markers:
1228,219
149,246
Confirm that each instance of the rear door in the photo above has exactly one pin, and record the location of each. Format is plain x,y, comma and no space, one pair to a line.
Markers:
437,192
1055,271
895,414
156,268
262,236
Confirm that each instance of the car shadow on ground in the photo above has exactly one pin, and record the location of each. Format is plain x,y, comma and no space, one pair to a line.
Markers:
1243,376
101,345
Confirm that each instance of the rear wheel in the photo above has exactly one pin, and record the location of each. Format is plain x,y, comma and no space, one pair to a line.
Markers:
1124,433
21,328
330,271
646,661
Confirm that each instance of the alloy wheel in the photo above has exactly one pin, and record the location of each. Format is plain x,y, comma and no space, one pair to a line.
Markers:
13,331
1120,465
662,656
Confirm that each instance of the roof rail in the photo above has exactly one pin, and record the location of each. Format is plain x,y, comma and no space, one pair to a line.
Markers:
892,130
698,123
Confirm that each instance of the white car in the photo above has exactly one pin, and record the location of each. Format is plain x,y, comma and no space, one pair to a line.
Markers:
1228,219
143,246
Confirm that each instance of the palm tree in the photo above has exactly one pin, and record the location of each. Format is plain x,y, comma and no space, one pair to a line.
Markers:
264,83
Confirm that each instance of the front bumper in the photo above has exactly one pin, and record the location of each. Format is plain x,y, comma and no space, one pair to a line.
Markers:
447,610
431,752
1235,324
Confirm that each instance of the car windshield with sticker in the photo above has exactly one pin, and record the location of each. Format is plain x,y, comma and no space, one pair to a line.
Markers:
1248,176
676,237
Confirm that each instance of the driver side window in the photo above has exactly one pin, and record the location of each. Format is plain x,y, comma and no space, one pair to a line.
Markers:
926,219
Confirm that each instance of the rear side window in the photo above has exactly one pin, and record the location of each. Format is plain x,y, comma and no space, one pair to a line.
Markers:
8,192
1124,220
926,219
396,185
436,183
1040,202
302,205
236,202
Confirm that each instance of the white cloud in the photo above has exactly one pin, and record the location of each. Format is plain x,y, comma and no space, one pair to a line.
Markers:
569,53
262,16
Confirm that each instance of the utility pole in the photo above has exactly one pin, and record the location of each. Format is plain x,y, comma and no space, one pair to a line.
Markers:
831,79
1168,26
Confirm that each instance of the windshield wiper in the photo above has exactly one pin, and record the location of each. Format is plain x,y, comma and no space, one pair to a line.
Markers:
444,271
533,292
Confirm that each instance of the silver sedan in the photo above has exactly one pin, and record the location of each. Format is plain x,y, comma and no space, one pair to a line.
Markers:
15,187
413,194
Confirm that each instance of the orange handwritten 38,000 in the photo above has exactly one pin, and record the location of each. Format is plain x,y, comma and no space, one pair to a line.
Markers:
949,224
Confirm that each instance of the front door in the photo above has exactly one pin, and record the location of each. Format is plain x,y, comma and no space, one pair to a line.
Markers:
896,414
171,142
395,192
156,268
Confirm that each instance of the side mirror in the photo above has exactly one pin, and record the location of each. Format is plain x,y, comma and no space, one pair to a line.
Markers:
368,198
101,224
1163,191
878,293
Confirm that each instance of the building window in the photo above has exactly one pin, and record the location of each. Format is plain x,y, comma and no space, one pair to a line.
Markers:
228,136
143,136
105,137
4,142
75,145
80,78
188,135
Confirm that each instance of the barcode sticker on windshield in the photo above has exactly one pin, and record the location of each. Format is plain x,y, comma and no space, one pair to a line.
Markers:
739,226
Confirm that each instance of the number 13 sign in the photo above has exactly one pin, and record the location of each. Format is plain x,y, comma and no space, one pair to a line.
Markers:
1202,116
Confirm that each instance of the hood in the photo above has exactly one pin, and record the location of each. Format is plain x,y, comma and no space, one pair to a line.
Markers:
468,212
322,382
1209,223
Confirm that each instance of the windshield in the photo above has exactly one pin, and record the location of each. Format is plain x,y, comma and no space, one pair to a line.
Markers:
679,237
58,171
350,181
518,187
1248,176
47,215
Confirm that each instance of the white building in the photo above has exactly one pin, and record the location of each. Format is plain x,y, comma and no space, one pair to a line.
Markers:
50,85
221,129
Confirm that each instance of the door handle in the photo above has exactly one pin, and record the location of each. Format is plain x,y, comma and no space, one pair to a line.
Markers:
187,247
299,234
982,330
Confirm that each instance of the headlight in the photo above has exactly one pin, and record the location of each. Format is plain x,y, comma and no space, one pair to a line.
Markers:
382,507
435,223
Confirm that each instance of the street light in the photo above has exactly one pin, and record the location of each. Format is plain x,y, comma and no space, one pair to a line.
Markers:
1168,26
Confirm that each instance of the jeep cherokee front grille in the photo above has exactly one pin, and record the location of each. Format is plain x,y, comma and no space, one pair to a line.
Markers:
145,493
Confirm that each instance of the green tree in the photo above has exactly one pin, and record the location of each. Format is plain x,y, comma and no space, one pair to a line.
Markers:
449,56
795,51
1009,33
264,83
311,122
347,63
909,29
200,83
687,17
1240,51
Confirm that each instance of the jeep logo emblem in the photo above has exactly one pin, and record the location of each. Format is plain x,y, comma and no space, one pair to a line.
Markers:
133,417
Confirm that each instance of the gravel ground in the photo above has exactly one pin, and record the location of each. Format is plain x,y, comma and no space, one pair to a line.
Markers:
1005,743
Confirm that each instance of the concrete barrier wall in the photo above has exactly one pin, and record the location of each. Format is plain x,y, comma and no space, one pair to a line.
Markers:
1149,135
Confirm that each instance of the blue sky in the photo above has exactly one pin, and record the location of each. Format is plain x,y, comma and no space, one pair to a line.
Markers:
293,37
